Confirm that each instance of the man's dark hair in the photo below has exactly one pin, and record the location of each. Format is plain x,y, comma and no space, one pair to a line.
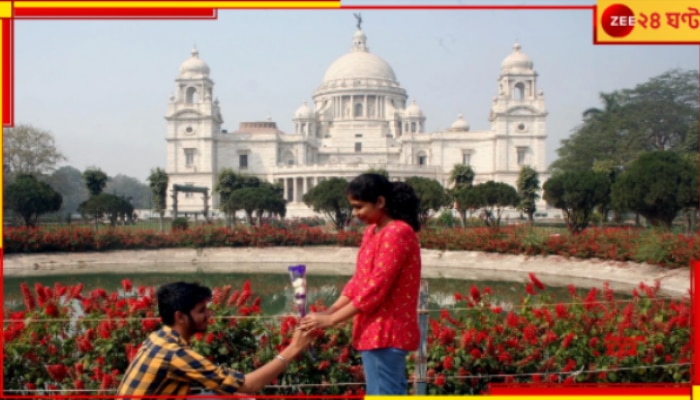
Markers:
179,296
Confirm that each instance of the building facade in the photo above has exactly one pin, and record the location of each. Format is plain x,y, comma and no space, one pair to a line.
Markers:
360,118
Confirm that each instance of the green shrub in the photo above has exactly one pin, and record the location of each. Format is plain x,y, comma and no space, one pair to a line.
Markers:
180,224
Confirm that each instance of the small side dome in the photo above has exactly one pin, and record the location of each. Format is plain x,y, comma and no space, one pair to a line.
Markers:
193,67
304,112
517,60
460,124
413,110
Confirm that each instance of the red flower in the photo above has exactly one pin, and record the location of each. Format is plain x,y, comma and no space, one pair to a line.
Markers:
512,320
536,281
51,310
561,311
57,372
530,289
323,365
126,285
458,297
209,338
106,381
29,302
447,363
79,368
593,343
567,340
659,349
440,380
474,292
476,354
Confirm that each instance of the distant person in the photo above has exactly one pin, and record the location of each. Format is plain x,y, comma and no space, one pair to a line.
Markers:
166,364
382,295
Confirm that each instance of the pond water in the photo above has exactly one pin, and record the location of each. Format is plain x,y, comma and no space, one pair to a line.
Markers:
275,288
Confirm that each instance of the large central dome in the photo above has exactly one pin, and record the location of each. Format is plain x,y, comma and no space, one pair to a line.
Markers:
359,64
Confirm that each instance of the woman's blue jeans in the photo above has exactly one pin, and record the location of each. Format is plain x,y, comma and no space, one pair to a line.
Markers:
385,371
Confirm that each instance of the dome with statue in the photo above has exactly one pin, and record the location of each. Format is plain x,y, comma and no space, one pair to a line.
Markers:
359,68
360,64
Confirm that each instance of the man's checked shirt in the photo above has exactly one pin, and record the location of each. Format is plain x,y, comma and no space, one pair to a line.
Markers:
166,365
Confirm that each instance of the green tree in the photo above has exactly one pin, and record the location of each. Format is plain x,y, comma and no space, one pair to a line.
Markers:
227,182
104,205
329,198
158,182
577,194
68,182
432,196
664,108
660,114
259,200
461,176
466,200
130,187
29,150
657,185
528,191
30,198
494,198
95,180
611,171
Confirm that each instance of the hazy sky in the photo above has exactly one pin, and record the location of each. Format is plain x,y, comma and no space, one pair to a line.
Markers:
102,87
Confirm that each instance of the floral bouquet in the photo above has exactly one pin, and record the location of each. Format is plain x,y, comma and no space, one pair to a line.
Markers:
297,273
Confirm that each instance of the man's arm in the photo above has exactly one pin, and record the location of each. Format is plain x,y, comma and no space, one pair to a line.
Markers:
257,379
194,367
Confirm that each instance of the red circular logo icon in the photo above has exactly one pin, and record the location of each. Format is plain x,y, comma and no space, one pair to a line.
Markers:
618,20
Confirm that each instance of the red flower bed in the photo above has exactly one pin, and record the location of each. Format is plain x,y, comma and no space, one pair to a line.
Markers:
587,339
620,244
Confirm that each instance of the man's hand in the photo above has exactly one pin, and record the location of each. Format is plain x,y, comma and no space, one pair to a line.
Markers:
301,339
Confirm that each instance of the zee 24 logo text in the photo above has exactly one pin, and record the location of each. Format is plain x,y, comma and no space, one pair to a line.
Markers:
618,20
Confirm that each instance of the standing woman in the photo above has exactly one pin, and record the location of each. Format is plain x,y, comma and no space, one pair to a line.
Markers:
382,295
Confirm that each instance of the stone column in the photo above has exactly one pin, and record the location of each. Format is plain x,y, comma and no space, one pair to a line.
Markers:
295,197
286,191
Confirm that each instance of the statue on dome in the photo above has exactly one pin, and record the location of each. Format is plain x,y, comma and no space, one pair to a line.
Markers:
358,16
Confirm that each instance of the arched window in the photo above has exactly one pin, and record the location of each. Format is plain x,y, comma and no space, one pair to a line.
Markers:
191,95
358,110
519,91
413,126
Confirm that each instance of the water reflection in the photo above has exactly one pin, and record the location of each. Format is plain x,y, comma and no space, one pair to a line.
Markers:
275,289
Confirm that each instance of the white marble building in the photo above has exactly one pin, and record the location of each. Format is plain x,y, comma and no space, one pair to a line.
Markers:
360,119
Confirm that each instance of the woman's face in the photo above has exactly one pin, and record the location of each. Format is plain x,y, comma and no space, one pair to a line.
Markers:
366,211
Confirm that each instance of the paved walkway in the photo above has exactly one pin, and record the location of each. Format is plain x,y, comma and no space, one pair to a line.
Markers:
326,260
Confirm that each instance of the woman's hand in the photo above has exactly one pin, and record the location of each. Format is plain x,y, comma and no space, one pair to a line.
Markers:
316,321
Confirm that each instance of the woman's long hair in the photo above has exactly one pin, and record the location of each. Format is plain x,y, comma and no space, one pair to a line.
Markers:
401,200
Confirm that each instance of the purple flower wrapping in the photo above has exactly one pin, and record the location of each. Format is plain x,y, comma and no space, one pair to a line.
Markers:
297,275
